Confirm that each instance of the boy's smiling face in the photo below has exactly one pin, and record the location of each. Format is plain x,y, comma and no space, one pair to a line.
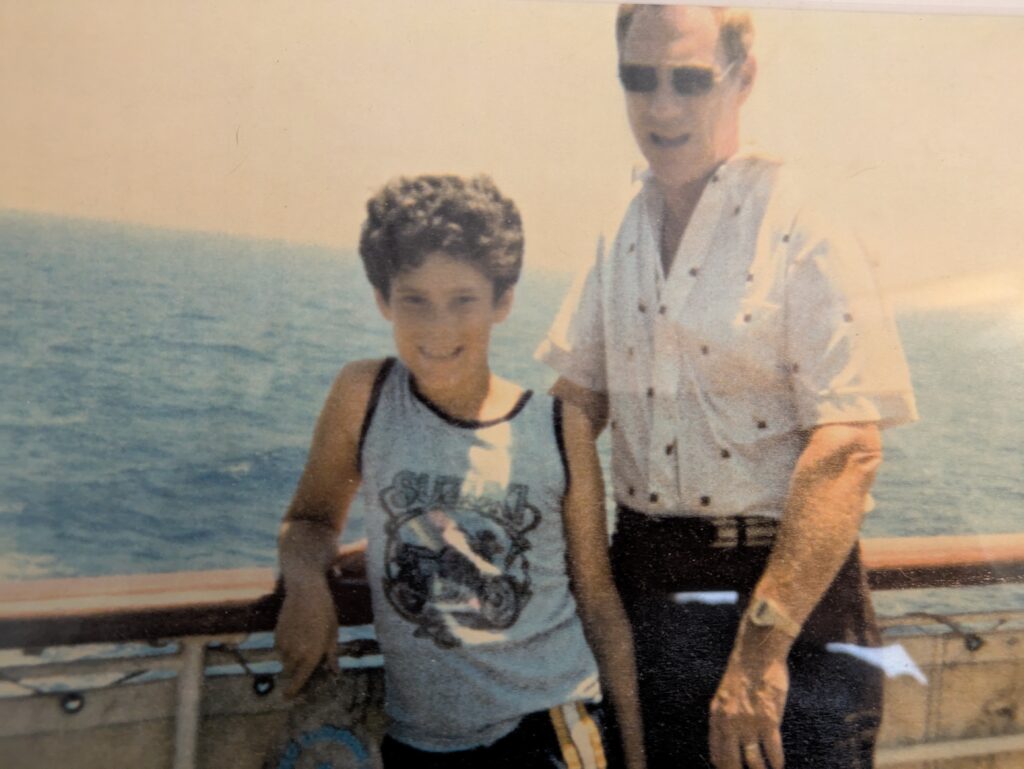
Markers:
442,312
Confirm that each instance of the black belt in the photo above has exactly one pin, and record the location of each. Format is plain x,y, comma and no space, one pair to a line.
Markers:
720,532
680,553
663,555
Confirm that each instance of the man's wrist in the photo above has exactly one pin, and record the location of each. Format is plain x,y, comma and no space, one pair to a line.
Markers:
768,614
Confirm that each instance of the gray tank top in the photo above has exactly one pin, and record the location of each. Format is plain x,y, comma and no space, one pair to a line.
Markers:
467,568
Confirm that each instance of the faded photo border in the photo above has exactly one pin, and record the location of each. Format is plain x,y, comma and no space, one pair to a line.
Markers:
273,123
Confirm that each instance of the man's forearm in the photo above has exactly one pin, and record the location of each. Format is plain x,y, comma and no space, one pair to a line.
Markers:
820,524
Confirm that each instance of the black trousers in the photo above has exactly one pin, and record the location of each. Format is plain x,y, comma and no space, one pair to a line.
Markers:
536,743
834,706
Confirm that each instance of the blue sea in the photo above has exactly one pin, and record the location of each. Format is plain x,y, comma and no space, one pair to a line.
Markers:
159,390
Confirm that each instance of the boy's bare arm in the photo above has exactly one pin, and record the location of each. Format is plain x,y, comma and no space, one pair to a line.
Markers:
604,619
307,627
591,402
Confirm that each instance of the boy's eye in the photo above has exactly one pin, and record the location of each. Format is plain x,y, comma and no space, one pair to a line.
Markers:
462,301
411,300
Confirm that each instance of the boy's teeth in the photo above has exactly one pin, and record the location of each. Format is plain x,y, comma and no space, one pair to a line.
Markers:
439,356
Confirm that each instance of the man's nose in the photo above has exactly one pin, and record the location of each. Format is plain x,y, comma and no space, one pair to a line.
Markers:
665,102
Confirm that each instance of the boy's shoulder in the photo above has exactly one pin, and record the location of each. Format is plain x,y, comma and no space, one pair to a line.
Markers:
359,373
353,387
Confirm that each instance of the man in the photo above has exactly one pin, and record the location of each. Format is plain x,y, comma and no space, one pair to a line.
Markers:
737,348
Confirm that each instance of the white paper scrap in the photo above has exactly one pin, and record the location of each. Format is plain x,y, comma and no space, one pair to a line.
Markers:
710,597
893,659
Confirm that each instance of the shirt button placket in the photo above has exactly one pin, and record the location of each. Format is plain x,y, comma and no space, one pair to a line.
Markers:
661,460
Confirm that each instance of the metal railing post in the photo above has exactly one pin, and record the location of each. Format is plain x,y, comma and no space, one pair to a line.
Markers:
189,702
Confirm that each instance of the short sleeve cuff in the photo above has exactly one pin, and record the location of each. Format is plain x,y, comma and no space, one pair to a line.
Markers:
885,409
571,366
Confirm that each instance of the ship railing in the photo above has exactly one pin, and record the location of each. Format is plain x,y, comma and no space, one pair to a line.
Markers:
206,614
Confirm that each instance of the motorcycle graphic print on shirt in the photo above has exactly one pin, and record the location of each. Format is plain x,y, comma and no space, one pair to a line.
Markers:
456,560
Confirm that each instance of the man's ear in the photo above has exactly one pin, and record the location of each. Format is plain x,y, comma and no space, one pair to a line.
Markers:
382,304
747,75
503,306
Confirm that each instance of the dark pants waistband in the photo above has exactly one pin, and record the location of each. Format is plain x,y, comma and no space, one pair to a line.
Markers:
703,531
663,555
676,553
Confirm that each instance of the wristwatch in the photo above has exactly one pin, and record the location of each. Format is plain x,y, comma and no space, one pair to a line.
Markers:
766,613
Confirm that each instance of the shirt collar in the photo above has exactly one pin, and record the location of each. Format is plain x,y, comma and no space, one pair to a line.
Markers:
727,174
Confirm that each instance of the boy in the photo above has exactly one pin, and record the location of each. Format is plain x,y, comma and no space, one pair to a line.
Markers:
478,497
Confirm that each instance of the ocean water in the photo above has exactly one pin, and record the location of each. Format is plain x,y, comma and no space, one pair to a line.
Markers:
159,390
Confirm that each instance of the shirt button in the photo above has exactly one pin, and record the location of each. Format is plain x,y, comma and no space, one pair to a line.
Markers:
847,317
670,448
632,491
650,392
614,424
761,424
705,501
704,349
653,498
785,238
736,211
693,272
642,307
662,310
726,454
747,318
750,277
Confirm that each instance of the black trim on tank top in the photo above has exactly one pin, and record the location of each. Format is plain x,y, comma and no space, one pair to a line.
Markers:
556,410
371,407
469,424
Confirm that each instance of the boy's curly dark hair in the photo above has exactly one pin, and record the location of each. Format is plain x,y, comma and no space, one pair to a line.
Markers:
467,219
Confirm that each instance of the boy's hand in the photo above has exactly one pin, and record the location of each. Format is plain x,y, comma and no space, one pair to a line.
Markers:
306,632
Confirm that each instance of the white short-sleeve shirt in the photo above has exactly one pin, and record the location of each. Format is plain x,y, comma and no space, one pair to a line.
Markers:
769,323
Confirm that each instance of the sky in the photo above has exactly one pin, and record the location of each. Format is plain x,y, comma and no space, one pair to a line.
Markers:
279,119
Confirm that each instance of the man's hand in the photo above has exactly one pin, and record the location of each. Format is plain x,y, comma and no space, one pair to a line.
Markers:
306,632
746,715
818,529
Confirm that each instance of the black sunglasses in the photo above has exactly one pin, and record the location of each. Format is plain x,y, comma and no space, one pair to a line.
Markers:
686,81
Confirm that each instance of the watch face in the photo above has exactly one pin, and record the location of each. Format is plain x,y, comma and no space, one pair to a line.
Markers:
762,613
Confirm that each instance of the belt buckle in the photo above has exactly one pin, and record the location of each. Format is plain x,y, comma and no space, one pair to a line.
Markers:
727,533
736,532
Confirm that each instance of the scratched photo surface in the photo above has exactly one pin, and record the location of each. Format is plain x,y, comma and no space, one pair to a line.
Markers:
181,191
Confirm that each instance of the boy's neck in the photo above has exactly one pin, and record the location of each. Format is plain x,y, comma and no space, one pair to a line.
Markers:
483,397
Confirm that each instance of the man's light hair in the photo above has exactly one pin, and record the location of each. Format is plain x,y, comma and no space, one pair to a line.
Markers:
735,29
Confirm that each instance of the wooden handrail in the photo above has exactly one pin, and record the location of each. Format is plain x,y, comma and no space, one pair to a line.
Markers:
142,607
148,607
901,563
